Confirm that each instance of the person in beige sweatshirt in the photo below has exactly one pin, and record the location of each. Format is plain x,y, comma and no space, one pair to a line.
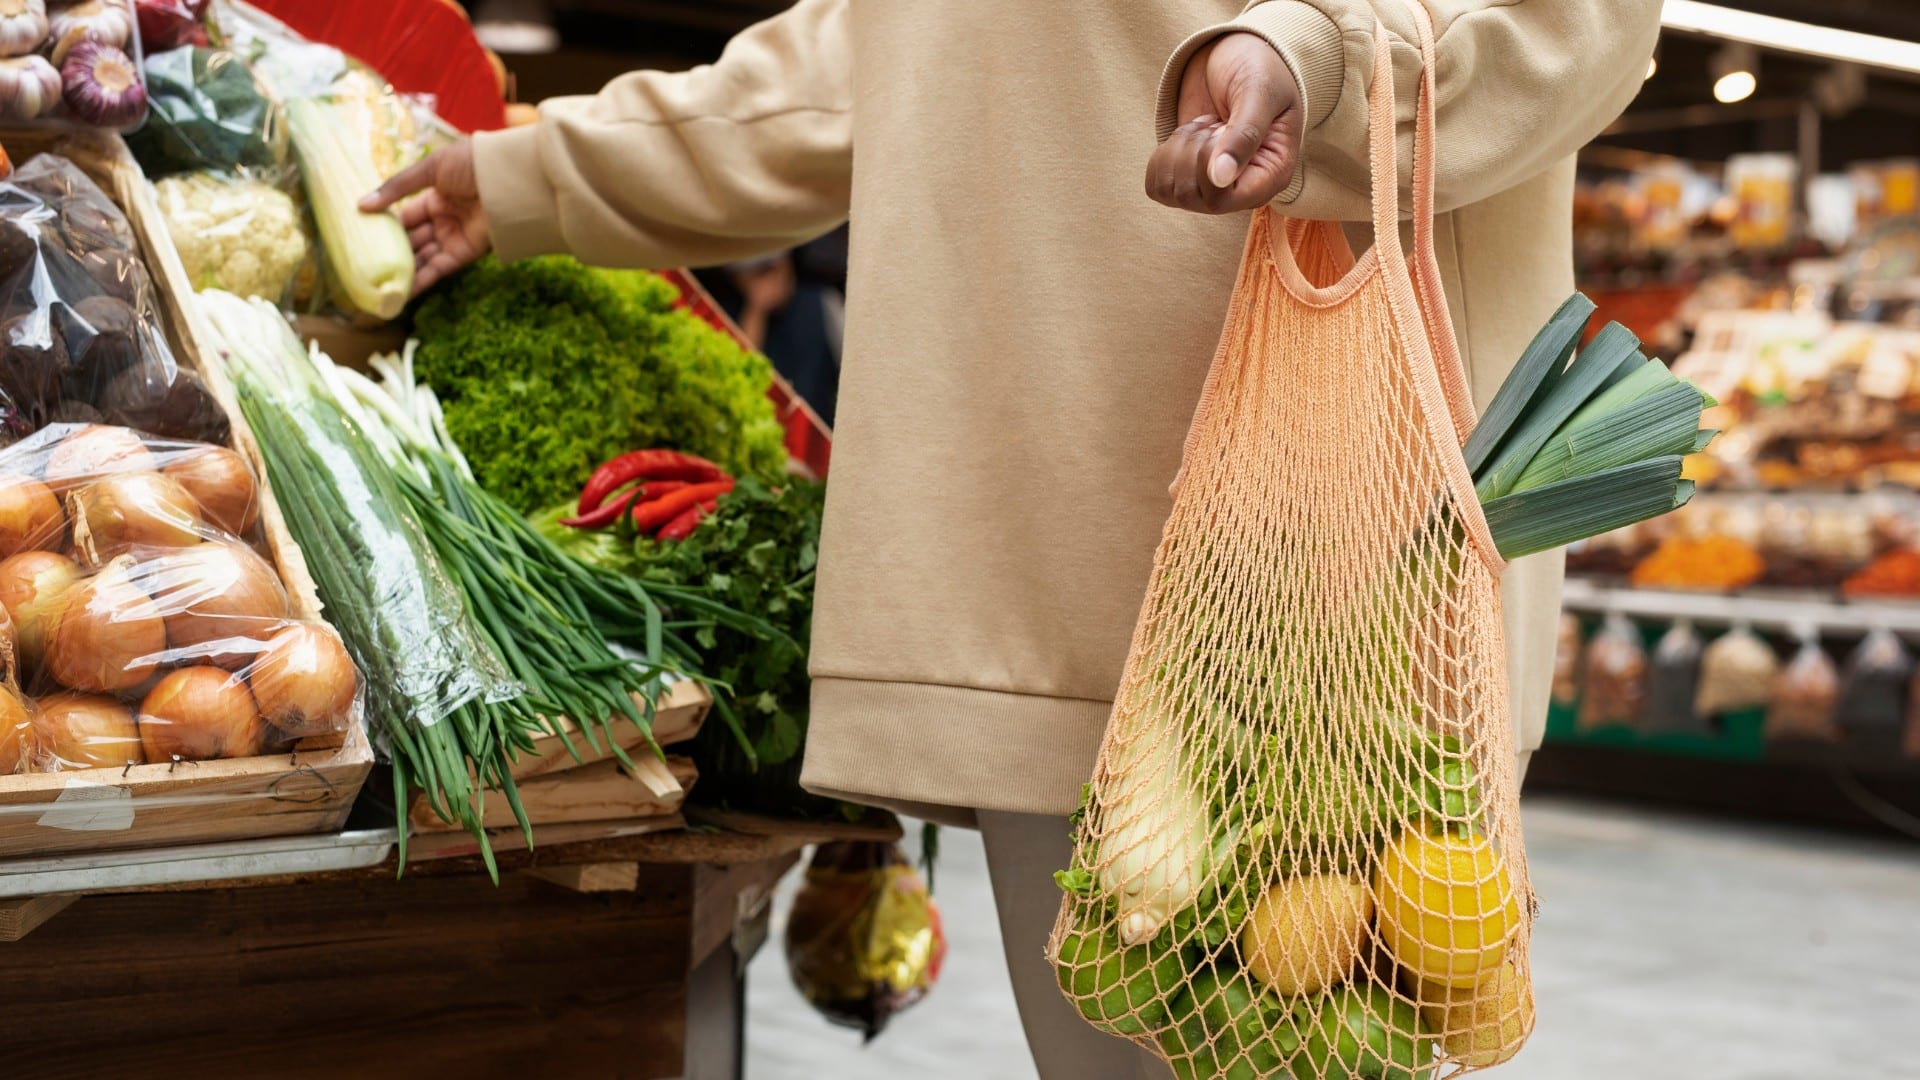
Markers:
1027,329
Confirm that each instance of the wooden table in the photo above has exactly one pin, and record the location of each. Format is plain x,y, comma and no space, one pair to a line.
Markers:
600,958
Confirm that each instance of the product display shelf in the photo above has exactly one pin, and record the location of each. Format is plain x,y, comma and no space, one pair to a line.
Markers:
1785,610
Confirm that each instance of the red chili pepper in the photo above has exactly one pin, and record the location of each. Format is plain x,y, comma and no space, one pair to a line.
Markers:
653,489
607,512
681,527
650,516
644,465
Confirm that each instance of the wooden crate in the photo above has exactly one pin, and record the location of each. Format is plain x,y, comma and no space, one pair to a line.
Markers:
309,790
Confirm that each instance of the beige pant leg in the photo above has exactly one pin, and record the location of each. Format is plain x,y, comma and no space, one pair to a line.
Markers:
1023,851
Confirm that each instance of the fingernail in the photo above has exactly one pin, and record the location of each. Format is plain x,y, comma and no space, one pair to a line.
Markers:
1223,170
1204,120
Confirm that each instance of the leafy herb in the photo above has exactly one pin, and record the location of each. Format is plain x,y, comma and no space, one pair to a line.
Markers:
546,368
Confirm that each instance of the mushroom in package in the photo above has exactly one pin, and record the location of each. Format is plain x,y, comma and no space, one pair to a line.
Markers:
1873,692
1736,672
1614,676
864,939
1805,694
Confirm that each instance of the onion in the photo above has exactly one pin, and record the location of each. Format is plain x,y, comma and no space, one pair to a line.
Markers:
109,635
86,731
305,681
32,586
220,601
16,733
199,713
133,509
92,452
30,516
220,482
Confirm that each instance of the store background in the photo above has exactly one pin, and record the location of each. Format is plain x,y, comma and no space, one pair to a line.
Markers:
1717,898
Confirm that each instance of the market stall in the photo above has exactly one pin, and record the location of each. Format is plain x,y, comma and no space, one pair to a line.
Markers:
1753,650
348,641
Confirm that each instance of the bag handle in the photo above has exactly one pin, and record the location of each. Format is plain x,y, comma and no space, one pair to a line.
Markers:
1426,264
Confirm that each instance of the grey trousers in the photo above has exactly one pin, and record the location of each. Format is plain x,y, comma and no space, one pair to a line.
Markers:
1023,851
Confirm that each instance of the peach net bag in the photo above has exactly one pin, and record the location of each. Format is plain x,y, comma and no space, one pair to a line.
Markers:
1300,852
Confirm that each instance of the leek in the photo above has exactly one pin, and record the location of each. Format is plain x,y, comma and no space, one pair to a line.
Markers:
1568,451
368,255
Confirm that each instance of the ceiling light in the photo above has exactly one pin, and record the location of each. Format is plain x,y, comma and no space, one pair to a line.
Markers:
515,26
1734,86
1788,35
1733,69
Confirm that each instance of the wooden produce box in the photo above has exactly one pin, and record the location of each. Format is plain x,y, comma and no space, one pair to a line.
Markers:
558,789
306,791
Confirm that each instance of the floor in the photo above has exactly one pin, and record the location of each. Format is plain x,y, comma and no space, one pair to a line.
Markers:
1668,948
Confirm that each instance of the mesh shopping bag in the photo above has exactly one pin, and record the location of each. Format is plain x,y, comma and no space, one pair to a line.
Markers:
1300,852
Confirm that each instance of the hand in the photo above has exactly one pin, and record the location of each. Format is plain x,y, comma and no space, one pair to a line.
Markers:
446,223
1240,127
766,287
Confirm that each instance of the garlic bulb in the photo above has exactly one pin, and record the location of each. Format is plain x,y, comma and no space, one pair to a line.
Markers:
104,21
29,87
23,26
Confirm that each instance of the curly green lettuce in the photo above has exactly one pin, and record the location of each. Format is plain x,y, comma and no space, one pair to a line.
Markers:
547,368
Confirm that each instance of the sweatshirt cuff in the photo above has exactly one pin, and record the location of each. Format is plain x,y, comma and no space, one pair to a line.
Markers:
523,211
1308,41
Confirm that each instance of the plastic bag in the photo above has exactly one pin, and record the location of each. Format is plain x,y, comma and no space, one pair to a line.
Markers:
1615,676
1805,694
864,939
72,63
1566,662
1872,708
1672,680
208,113
77,316
149,628
240,235
1736,672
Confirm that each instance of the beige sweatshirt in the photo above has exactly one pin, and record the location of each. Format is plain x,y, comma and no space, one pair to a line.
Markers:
1026,331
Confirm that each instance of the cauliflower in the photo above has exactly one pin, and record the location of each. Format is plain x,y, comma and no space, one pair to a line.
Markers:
239,235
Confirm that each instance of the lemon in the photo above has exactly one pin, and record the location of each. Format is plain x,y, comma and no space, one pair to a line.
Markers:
1447,908
1482,1025
1305,933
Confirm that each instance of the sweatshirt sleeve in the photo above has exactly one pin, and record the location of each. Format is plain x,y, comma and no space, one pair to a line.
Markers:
749,154
1521,85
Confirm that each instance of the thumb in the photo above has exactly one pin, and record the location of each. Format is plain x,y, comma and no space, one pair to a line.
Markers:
1250,115
415,177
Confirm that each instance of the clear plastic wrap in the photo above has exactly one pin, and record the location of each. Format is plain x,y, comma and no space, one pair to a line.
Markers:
1614,684
71,63
148,626
1805,694
243,236
1873,691
864,939
1672,679
209,112
1736,672
78,327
